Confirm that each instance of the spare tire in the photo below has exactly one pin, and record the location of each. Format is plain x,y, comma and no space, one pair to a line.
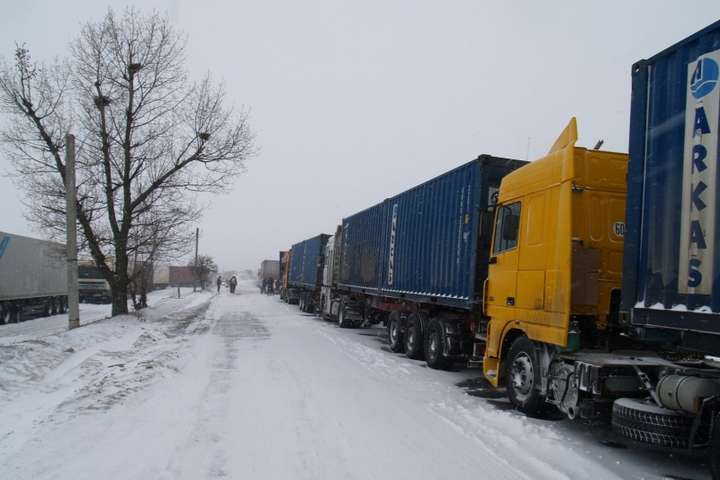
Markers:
643,422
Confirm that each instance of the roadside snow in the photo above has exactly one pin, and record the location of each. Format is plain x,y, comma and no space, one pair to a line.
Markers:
245,386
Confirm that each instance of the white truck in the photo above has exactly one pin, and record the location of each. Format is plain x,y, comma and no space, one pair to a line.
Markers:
33,278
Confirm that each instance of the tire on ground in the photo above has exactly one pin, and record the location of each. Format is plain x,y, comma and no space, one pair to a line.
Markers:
522,376
642,421
414,337
435,345
395,336
343,321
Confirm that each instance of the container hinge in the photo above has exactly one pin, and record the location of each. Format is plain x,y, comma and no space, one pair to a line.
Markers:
577,188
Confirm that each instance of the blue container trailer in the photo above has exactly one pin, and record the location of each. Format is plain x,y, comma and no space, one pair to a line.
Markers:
305,275
421,257
671,271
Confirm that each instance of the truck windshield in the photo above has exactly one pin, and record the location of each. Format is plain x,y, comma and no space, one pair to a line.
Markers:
89,272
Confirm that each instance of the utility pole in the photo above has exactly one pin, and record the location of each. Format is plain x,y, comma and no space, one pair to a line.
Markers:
197,273
71,216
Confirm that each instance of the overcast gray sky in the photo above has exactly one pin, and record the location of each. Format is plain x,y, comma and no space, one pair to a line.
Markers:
355,101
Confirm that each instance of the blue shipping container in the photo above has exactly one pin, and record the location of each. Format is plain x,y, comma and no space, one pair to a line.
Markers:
306,262
429,243
671,276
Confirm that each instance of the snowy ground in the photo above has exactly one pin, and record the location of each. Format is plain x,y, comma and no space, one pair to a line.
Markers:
246,387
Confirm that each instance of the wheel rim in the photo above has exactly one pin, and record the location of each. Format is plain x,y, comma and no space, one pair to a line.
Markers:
433,343
393,332
522,376
411,338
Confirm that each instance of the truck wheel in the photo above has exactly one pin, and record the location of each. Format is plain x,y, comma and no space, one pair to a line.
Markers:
343,322
435,345
414,345
4,314
54,306
522,375
395,337
644,422
715,450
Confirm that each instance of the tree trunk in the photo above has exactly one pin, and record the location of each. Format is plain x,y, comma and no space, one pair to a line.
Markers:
119,298
120,286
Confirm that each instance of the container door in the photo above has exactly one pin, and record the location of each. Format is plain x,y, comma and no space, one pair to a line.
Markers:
502,286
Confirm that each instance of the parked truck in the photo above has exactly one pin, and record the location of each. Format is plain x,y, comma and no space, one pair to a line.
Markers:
285,259
607,321
305,273
33,278
269,271
329,293
92,285
418,261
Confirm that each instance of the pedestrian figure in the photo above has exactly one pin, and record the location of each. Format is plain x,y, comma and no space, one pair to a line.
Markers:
233,284
269,286
219,283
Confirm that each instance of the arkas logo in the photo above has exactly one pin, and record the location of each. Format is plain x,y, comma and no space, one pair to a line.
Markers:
700,156
704,77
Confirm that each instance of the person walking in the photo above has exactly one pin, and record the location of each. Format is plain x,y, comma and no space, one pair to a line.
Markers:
233,284
219,283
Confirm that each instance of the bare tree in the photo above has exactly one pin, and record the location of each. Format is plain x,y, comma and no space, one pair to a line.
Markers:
205,266
150,140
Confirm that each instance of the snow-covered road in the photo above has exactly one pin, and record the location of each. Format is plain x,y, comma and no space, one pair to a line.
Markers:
246,387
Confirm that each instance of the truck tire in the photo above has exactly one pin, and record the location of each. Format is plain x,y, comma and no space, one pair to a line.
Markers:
522,375
643,422
435,345
54,306
343,321
414,337
395,336
4,314
714,450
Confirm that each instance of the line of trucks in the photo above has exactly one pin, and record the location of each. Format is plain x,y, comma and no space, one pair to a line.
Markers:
585,281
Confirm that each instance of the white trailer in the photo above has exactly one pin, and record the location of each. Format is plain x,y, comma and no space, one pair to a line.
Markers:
33,277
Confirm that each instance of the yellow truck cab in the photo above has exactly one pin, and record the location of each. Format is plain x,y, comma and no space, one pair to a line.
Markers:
555,264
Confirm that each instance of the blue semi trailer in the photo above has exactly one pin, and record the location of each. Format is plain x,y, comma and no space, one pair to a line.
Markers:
671,272
417,262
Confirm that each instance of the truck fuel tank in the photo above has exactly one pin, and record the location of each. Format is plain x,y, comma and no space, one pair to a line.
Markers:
685,392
